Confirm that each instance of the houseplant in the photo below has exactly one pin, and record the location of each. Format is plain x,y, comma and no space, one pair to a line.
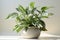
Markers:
29,19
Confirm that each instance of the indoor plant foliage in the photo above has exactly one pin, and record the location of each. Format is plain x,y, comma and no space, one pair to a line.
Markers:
30,17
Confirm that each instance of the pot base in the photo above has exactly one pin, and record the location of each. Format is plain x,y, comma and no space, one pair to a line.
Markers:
31,37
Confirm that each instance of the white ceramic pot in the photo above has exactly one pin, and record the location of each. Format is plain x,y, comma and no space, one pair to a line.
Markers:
31,33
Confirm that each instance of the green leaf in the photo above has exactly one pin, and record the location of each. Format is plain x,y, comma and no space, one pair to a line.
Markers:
14,14
21,9
16,26
50,14
27,11
44,16
44,8
32,4
43,25
18,19
32,11
26,28
43,29
19,29
38,11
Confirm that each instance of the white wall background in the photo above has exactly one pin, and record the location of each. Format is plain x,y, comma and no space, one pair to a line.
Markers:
8,6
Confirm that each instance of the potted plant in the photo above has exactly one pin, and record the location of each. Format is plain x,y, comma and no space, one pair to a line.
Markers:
29,19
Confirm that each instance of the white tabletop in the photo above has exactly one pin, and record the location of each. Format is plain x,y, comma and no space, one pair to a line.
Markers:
43,36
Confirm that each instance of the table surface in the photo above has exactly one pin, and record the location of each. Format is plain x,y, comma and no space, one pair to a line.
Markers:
21,38
43,36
